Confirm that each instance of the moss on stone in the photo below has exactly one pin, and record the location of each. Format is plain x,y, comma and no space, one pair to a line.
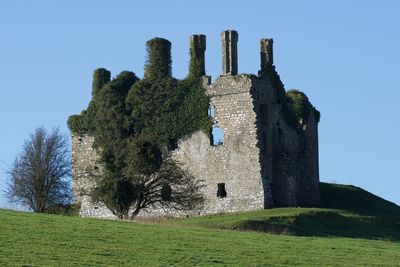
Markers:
295,105
301,106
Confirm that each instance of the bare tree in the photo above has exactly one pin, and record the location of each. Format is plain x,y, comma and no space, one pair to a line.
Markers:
171,187
40,175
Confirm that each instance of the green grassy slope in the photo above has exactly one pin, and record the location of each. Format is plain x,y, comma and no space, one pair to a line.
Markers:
49,240
357,200
28,239
346,211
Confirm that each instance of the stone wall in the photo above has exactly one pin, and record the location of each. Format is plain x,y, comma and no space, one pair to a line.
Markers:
262,162
308,189
235,162
289,155
84,167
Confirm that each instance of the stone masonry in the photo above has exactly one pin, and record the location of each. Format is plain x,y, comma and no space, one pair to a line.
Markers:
262,162
229,52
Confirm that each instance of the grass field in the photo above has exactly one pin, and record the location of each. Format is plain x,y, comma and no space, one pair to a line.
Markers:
28,239
346,211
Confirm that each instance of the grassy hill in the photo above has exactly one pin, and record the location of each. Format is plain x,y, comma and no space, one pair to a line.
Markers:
346,211
28,239
357,200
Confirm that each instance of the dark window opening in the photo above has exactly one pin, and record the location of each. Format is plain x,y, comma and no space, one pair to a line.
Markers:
216,136
278,123
172,144
95,168
221,193
96,208
80,139
166,192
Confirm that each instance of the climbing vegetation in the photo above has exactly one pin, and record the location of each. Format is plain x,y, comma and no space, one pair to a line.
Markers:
295,105
197,48
158,63
135,124
301,106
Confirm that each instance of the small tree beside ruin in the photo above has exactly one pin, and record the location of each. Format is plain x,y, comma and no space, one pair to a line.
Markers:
40,175
171,187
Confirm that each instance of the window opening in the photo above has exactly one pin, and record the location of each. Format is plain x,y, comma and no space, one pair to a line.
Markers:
221,192
216,136
172,144
166,192
211,111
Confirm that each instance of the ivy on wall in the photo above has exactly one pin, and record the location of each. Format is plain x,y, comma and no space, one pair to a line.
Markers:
295,105
301,106
135,123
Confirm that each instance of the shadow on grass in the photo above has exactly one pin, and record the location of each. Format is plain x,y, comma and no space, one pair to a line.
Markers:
345,211
326,224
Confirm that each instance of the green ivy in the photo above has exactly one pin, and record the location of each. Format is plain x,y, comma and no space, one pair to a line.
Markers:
135,123
78,123
301,106
197,48
295,105
158,63
100,78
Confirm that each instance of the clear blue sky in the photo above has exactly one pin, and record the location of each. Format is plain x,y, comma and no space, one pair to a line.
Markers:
343,54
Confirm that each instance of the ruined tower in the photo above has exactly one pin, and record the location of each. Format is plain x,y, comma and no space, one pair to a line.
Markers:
257,155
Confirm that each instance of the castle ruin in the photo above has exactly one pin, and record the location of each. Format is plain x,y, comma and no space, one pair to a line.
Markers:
259,158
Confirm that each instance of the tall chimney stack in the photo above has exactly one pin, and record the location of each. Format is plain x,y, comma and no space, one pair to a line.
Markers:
266,53
197,55
229,40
